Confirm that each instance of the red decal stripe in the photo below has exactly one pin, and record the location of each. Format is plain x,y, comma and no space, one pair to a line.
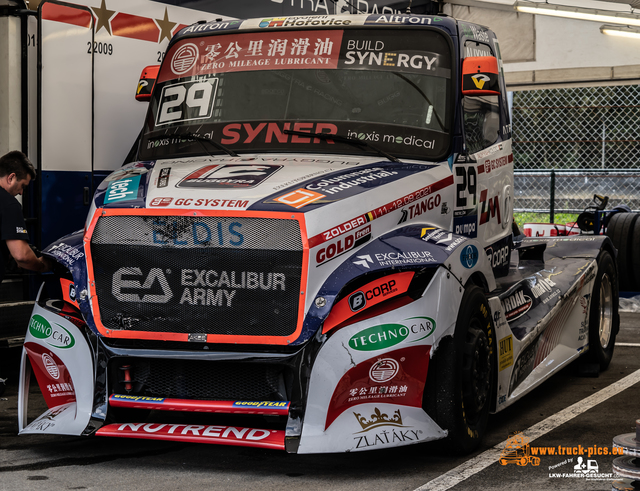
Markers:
397,285
135,27
66,285
220,435
225,407
68,15
379,212
481,169
179,28
200,172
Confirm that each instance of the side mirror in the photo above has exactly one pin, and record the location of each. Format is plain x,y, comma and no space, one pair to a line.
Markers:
480,76
146,83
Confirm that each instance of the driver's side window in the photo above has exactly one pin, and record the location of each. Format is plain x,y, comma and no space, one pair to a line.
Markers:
481,118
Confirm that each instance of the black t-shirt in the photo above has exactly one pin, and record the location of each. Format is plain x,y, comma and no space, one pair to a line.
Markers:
12,225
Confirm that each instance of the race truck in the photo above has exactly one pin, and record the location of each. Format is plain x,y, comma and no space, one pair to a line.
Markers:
312,249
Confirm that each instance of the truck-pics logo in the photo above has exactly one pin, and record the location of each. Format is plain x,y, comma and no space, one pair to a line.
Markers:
517,451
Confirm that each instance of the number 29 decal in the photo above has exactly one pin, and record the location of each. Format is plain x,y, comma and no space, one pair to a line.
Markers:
187,101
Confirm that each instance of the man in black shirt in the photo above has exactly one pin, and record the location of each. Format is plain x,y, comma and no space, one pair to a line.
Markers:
16,171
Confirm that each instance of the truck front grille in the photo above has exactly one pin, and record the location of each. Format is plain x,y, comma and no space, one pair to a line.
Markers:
205,380
238,276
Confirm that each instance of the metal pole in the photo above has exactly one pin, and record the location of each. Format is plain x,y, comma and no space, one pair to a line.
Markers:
552,195
603,135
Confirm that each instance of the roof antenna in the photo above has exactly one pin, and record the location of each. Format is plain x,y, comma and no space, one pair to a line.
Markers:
409,7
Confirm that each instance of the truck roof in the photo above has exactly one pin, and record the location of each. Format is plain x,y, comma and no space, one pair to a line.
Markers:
442,21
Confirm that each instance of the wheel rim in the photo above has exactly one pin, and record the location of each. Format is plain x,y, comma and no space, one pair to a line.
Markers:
606,311
478,373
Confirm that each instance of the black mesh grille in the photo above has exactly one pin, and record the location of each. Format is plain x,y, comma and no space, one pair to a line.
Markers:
204,380
210,275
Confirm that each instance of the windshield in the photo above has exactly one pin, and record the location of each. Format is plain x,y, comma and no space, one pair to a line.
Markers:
390,88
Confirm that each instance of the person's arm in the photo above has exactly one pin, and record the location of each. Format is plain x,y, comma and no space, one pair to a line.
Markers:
26,258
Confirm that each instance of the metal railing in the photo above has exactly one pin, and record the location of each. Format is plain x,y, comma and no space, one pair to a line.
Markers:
571,191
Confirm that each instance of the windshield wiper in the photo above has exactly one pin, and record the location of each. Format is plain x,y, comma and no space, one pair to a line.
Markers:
424,96
342,139
202,139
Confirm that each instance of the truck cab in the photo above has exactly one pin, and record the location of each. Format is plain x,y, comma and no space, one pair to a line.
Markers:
316,223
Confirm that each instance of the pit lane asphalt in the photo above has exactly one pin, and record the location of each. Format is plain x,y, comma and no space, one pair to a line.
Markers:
69,463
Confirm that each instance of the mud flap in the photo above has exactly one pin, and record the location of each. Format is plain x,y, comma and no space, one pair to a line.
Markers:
59,355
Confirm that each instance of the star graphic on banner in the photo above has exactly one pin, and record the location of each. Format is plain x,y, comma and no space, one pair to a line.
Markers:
165,26
103,15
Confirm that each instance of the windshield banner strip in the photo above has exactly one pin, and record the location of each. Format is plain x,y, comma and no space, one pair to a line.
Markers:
253,51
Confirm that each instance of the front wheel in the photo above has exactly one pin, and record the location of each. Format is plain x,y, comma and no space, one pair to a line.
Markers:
462,374
604,320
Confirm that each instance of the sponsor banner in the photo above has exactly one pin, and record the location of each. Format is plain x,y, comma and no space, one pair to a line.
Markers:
51,373
242,52
343,245
346,183
303,21
499,256
228,176
54,335
516,304
495,164
408,19
369,295
70,295
384,336
226,25
392,50
122,190
67,253
397,377
469,256
228,407
506,353
417,209
442,238
212,203
222,435
270,135
398,203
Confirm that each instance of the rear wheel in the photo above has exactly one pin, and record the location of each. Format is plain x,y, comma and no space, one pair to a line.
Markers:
620,230
604,320
462,374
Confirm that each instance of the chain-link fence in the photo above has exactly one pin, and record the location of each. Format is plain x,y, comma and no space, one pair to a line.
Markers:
572,143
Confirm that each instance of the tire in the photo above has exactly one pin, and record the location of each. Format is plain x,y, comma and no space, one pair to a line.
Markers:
635,258
461,378
620,231
604,320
